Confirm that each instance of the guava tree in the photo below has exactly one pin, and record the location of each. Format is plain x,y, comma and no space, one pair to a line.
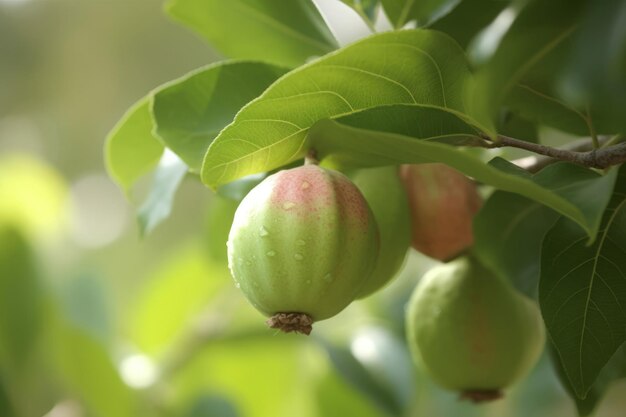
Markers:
465,83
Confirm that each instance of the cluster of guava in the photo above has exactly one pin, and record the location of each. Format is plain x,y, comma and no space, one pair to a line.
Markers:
308,241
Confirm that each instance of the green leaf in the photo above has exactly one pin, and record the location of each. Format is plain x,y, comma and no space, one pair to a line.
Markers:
337,398
87,370
508,232
158,205
424,12
351,370
520,39
545,109
269,376
516,126
220,216
181,287
614,369
582,292
595,74
131,150
189,112
212,406
285,32
468,18
366,8
416,66
20,301
394,136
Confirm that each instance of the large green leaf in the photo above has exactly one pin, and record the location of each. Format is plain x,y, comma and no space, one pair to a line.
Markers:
468,18
518,41
412,67
423,12
582,292
20,301
410,134
189,112
285,32
540,107
131,150
595,73
613,370
506,223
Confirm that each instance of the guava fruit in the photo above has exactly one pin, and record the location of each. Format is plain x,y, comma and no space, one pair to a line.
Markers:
302,245
385,195
443,205
471,331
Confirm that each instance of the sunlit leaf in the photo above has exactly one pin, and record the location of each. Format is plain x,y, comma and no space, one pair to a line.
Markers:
582,292
508,232
410,67
285,32
423,12
191,111
576,192
158,205
335,397
131,150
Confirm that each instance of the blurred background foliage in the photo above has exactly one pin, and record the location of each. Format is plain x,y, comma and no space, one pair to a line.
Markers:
95,321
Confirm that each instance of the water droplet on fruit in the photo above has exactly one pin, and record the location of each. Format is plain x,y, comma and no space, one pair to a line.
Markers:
300,242
238,285
271,253
328,277
263,232
288,205
305,185
298,257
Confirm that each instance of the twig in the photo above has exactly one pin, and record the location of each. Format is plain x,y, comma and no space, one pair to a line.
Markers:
594,158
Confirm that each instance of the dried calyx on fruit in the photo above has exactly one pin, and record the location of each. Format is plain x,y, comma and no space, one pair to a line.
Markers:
472,331
385,195
302,245
443,205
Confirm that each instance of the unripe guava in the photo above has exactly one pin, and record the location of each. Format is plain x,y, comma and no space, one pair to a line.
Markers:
386,197
471,330
302,244
443,204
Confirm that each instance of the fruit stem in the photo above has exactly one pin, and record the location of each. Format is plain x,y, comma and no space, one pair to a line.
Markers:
311,158
481,396
291,322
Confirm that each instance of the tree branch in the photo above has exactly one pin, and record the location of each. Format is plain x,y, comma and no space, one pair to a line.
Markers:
595,158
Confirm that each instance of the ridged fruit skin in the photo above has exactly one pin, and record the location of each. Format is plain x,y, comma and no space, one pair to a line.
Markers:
443,205
386,197
304,240
471,330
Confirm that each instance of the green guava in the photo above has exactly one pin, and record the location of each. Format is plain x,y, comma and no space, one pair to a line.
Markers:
302,245
386,197
443,205
471,331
